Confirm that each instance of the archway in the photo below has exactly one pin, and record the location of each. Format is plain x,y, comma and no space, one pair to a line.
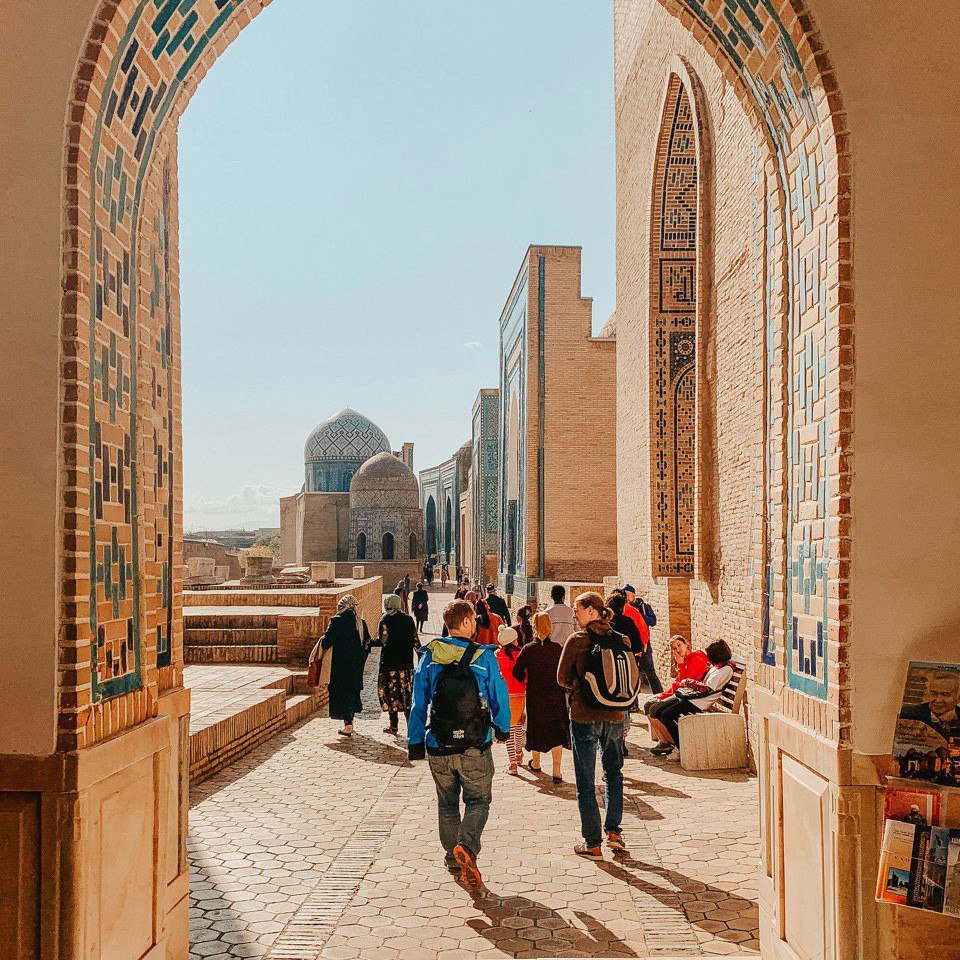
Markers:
448,547
387,547
361,546
430,522
120,413
414,549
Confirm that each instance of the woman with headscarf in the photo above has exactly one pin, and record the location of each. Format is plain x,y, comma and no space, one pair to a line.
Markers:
548,721
348,639
397,636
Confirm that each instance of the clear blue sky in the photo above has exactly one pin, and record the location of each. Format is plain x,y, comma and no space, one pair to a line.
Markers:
358,183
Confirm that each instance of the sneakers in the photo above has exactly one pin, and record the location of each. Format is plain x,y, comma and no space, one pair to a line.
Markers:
615,842
450,862
662,750
469,872
588,853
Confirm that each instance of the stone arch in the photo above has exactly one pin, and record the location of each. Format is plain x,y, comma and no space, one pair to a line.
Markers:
414,547
387,549
120,339
361,546
675,270
448,544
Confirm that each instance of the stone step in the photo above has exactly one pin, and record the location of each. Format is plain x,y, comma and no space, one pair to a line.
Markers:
229,621
230,636
300,706
260,653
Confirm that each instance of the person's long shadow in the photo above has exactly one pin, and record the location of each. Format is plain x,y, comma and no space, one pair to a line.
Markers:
518,926
624,869
651,789
568,791
373,751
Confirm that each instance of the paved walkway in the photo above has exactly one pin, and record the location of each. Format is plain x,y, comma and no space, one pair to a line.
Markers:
312,847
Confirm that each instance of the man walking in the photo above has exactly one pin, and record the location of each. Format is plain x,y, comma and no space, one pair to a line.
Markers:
459,685
562,624
594,729
496,604
645,658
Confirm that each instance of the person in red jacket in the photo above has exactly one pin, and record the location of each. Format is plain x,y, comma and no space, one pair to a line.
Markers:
507,656
691,665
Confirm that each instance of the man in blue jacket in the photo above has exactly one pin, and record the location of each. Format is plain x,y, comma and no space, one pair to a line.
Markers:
461,685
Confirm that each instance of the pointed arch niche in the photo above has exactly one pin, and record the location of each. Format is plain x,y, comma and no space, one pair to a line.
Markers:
681,422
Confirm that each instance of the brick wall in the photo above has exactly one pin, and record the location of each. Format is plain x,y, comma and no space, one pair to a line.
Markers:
579,448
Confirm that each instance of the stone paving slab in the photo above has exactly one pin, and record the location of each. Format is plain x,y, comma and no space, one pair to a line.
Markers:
312,847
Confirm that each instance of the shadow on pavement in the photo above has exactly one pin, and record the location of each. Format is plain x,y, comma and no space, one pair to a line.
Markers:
682,887
519,927
370,749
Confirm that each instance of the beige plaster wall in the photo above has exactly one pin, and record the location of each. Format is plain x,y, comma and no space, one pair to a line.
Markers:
38,53
899,72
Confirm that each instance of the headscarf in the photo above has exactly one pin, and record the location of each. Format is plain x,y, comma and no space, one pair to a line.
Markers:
392,603
349,602
542,626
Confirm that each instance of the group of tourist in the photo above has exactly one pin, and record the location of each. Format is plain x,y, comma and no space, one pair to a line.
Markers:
563,678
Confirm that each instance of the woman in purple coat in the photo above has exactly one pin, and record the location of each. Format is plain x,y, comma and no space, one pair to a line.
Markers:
548,722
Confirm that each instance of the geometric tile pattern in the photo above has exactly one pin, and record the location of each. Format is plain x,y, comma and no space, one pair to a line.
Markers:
338,447
673,339
140,62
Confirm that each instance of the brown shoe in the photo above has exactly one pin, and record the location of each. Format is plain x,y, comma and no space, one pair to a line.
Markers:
469,872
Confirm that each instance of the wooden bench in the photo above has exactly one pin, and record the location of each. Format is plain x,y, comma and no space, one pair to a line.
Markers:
717,738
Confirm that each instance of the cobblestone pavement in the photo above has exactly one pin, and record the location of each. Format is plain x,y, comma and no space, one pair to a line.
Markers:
312,847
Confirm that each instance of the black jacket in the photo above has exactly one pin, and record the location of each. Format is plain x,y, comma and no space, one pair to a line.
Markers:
623,624
397,635
421,602
498,606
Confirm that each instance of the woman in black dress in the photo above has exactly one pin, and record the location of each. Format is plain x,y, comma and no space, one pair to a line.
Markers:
398,637
548,722
420,605
348,638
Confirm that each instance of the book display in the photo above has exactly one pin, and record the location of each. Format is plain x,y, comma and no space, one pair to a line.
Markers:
920,850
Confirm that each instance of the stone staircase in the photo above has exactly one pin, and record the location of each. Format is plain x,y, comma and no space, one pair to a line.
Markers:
230,635
236,708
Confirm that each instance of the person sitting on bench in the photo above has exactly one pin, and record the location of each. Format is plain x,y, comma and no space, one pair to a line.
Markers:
690,665
695,696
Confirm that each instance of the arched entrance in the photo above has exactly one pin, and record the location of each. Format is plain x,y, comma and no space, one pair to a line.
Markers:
121,510
448,546
430,522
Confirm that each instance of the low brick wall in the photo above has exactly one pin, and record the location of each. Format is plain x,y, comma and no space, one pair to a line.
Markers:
390,572
220,744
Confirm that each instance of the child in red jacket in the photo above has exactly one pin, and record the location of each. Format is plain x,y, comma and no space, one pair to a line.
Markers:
508,639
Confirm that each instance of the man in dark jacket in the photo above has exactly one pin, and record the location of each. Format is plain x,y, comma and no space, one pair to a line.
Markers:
455,769
643,653
593,729
496,604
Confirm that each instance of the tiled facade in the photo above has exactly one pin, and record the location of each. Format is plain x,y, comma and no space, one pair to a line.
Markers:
484,483
440,490
557,430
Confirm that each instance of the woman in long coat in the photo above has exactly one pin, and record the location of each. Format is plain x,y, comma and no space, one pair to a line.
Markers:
348,639
420,603
397,636
548,721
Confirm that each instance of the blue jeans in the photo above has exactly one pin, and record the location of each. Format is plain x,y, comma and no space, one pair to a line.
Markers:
586,739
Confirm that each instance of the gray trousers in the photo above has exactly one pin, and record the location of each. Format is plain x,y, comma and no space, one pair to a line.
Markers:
469,774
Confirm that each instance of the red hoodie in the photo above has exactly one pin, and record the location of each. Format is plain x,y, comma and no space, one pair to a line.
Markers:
507,657
694,667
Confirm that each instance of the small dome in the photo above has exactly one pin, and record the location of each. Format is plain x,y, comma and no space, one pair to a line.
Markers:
384,471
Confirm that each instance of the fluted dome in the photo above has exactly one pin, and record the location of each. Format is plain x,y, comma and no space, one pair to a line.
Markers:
338,447
385,480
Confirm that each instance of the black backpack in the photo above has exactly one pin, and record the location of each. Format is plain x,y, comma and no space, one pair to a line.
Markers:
459,719
611,677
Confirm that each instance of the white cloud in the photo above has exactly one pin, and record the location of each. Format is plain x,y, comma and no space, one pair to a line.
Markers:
252,505
472,344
